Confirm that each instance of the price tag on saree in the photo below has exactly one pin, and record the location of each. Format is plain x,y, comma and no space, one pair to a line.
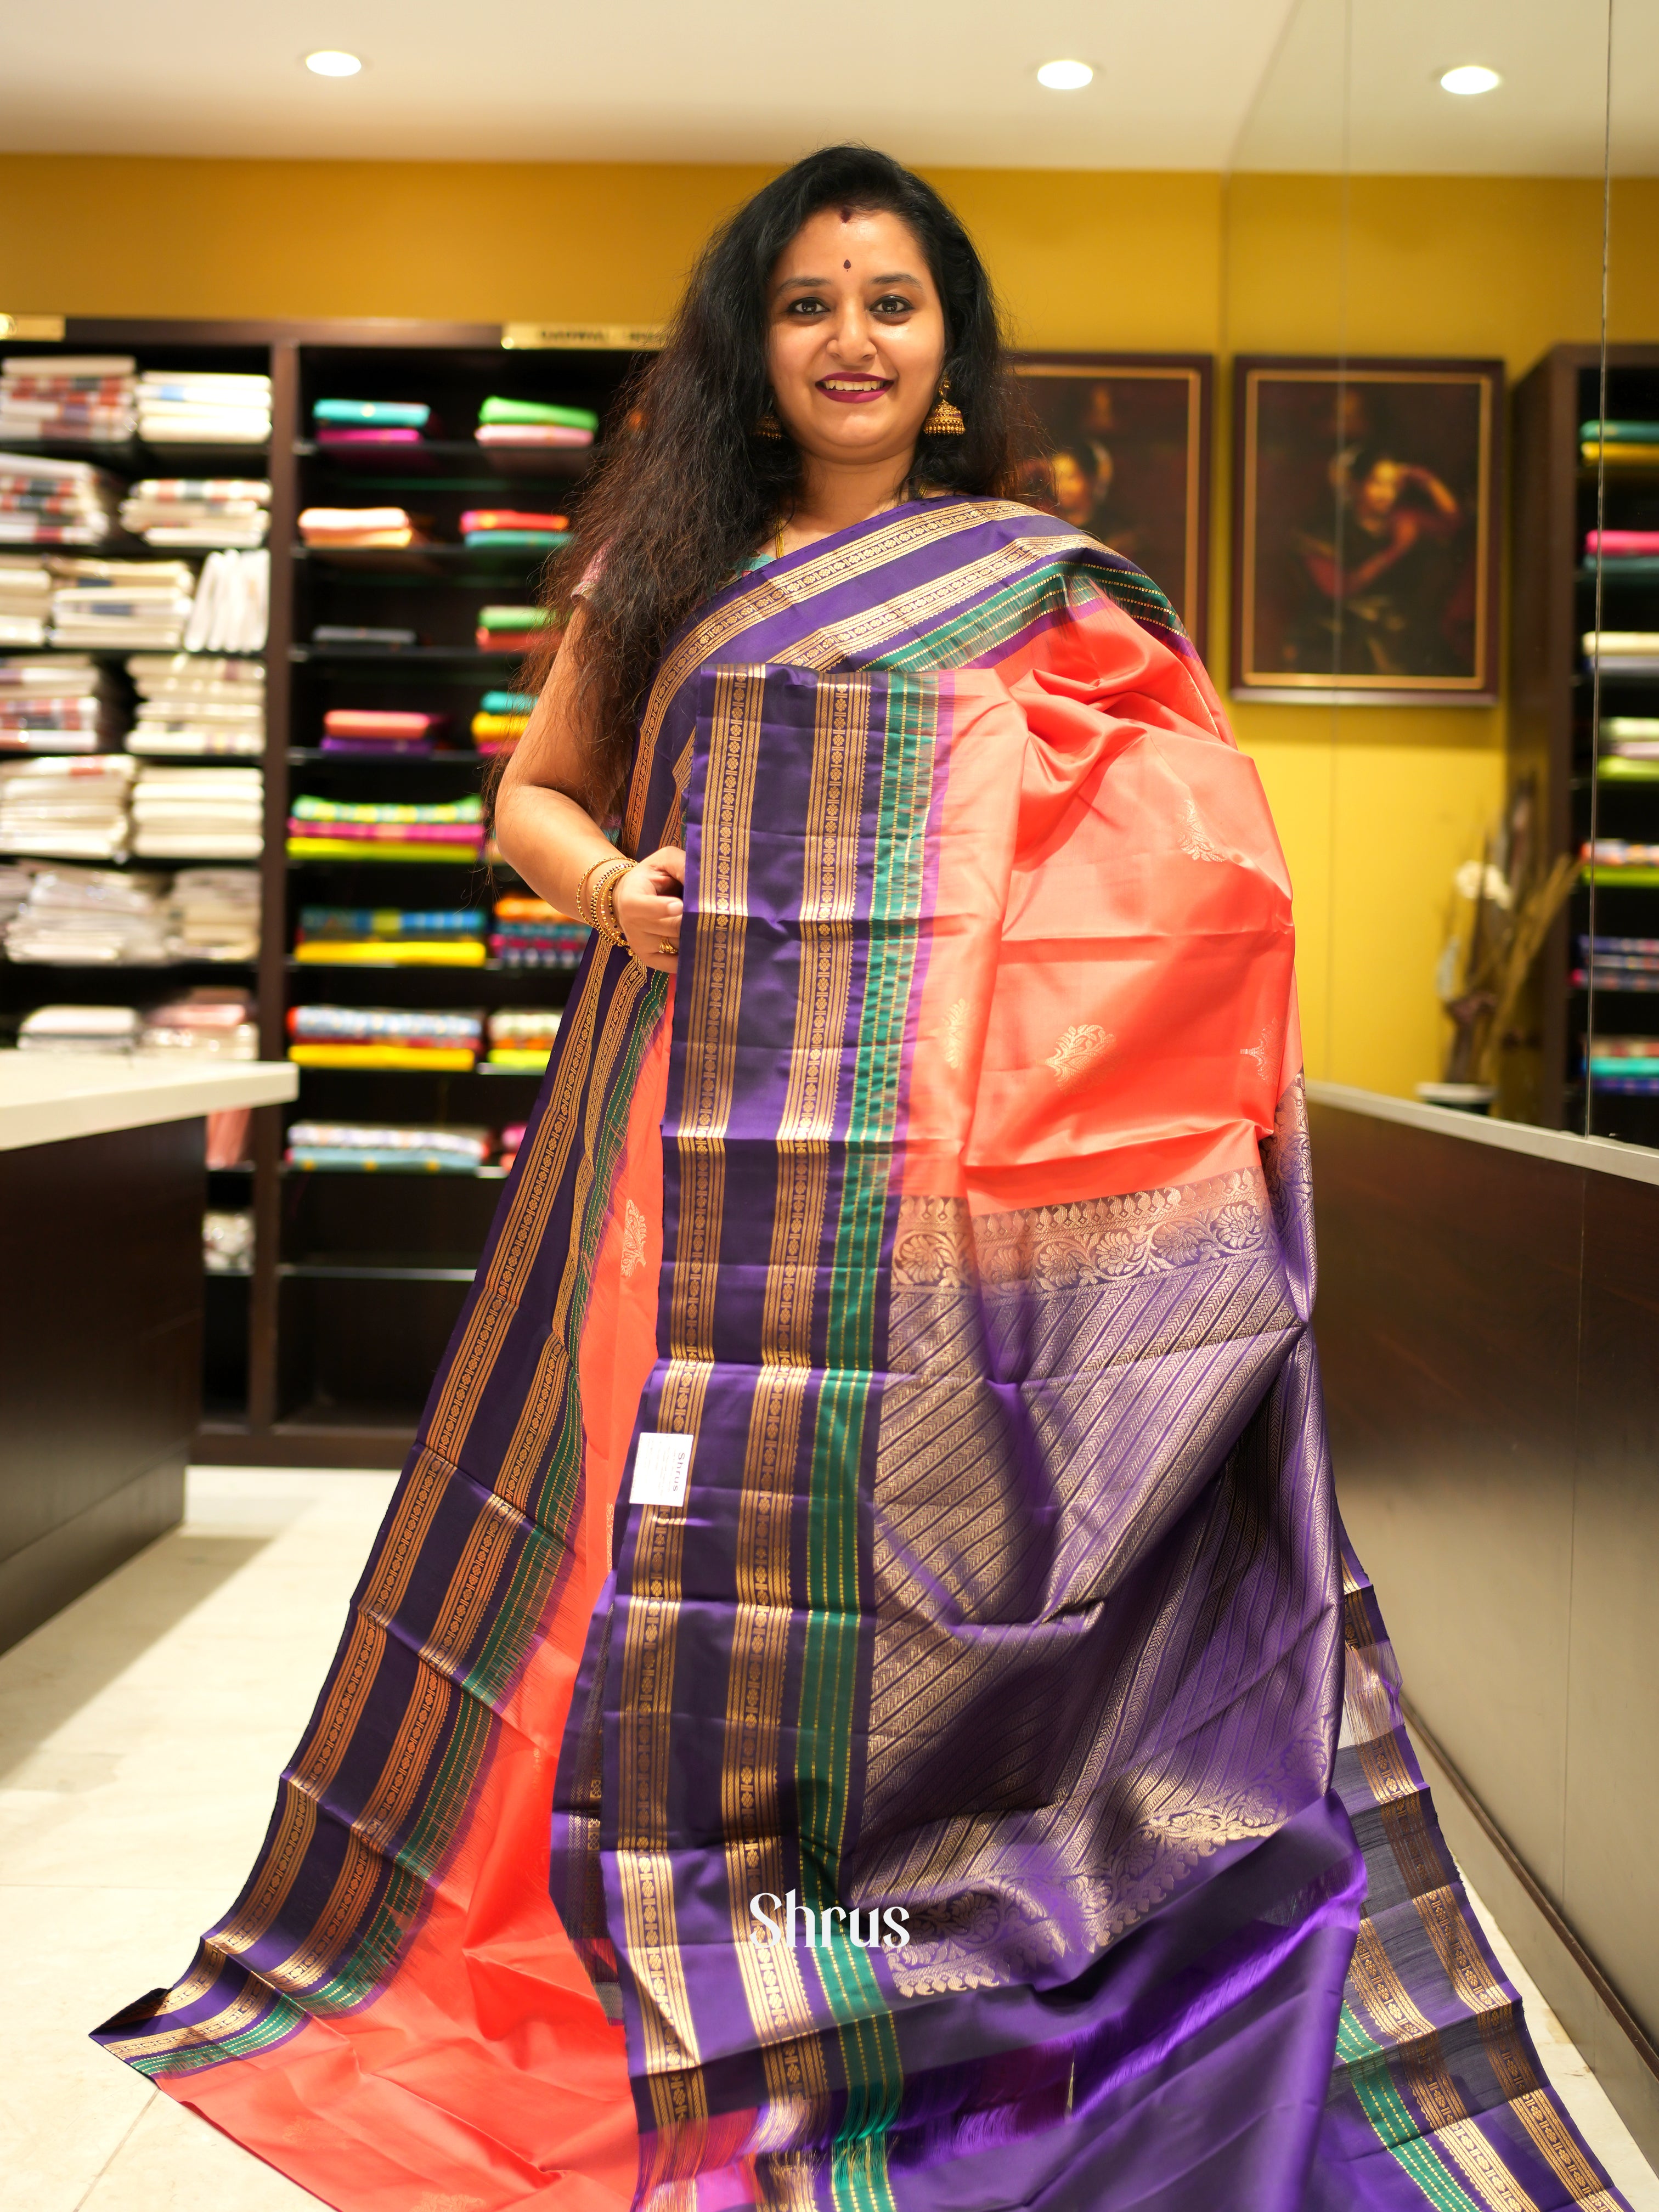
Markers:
662,1469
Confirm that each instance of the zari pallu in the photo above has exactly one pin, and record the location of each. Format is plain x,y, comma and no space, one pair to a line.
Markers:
861,1699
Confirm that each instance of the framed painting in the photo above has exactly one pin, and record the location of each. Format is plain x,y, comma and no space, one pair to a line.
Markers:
1366,529
1124,451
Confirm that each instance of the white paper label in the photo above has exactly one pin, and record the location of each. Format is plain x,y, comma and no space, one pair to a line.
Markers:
662,1468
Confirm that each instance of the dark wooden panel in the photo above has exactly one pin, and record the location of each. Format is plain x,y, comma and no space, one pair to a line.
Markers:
48,1574
101,1332
1447,1318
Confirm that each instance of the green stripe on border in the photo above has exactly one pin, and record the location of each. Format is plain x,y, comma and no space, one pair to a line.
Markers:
1387,2111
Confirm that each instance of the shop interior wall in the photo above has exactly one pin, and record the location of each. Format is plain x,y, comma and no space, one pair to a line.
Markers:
1377,806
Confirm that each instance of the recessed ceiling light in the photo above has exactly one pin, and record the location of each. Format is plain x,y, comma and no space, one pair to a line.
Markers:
1470,79
328,63
1065,76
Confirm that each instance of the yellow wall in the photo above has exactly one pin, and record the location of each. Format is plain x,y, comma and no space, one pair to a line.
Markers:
1375,805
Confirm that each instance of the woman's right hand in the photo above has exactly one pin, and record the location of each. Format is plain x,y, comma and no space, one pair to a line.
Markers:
649,907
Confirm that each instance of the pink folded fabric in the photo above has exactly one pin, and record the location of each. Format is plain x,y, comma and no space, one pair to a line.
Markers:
1615,542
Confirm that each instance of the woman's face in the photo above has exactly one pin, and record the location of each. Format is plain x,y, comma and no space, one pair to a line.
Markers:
855,341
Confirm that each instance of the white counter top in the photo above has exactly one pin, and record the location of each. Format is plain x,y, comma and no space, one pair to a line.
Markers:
45,1097
1606,1155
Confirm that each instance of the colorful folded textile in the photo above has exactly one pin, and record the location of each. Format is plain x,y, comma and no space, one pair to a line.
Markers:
513,618
213,914
343,849
353,634
436,1060
512,1137
372,414
481,521
190,702
57,703
1629,1065
199,407
51,502
1618,455
390,953
519,412
381,722
495,733
530,433
324,1024
72,809
325,437
328,828
79,1029
198,511
353,921
68,398
1619,852
207,1023
1621,434
522,1037
112,604
90,917
528,932
1623,652
1621,543
397,1148
345,528
389,937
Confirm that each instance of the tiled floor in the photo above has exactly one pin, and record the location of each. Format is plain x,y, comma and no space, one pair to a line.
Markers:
140,1736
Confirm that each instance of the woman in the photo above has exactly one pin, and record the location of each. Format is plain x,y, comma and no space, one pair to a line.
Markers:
875,1506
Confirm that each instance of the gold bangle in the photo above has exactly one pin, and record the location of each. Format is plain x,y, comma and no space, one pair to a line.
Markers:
605,902
584,913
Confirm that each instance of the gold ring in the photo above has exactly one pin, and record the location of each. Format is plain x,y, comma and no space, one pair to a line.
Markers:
666,951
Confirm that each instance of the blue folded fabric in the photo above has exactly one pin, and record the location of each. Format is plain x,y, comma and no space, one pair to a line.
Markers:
373,414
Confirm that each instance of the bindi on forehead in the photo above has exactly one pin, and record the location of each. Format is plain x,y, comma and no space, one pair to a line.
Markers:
846,264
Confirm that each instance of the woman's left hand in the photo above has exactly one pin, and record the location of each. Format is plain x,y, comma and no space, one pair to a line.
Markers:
649,907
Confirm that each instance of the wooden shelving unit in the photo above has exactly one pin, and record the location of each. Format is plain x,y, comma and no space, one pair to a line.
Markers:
1551,690
322,1353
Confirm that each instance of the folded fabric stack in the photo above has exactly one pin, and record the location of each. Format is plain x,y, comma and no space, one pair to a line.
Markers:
384,1036
86,917
511,630
354,636
1622,552
508,525
114,604
502,719
46,502
346,529
371,422
1613,860
1621,445
531,934
529,422
74,810
199,510
233,604
208,1024
193,407
15,877
1627,1065
379,733
213,914
79,1029
194,703
25,600
62,398
1623,652
521,1038
512,1137
396,1148
389,937
61,702
198,813
228,1240
1619,963
339,829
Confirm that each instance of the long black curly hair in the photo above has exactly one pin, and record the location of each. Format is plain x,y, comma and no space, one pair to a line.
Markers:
686,491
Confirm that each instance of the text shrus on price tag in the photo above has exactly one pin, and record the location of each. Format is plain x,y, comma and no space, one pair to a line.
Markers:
662,1467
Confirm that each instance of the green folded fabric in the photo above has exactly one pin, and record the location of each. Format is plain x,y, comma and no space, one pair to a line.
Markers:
512,617
507,703
534,410
1621,434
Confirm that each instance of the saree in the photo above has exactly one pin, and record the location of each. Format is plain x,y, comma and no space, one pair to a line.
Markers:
861,1698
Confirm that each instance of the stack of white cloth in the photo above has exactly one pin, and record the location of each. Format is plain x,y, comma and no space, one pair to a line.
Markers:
210,1024
199,510
15,877
82,917
193,407
192,702
25,600
233,603
198,813
56,702
79,1029
66,808
213,915
58,398
47,502
113,604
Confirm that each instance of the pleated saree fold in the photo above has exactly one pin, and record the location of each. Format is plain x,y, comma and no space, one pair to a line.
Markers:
950,1799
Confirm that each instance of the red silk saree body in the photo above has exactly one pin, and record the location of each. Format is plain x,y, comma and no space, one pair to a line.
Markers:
949,1797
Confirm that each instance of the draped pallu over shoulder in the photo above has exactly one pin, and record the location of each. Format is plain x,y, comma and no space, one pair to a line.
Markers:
984,1785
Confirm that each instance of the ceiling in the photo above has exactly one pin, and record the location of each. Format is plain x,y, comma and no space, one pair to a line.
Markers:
1179,84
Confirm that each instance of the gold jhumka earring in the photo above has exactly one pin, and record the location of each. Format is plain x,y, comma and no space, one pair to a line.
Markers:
944,416
767,426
